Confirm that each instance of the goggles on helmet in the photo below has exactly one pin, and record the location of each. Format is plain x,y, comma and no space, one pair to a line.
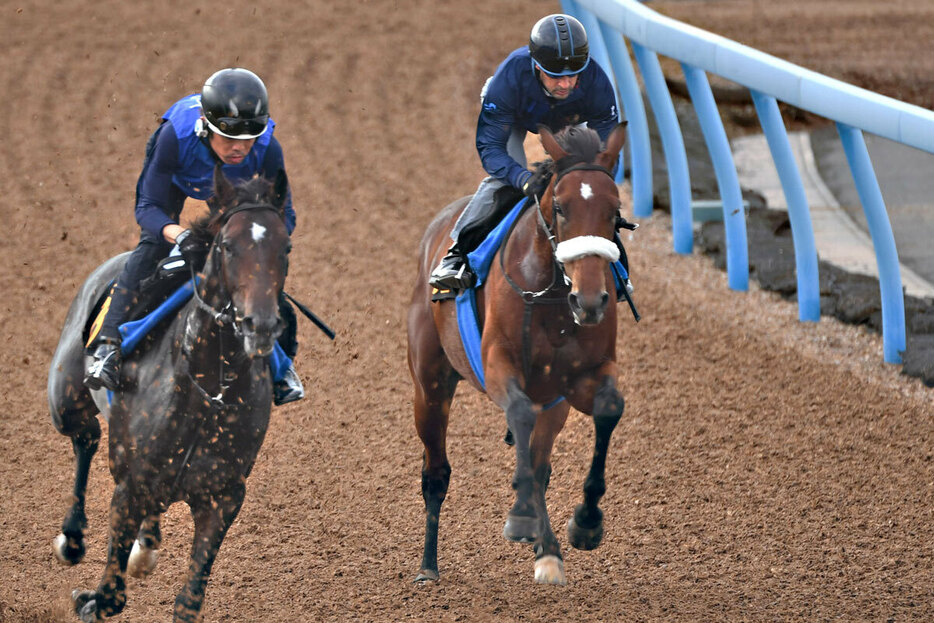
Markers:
233,127
564,66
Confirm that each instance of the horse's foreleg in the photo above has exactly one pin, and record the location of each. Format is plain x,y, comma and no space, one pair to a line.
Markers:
585,528
110,597
212,520
549,566
432,407
69,545
528,520
523,523
145,552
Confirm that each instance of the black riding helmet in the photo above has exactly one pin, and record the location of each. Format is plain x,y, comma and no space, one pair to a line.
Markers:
235,103
558,45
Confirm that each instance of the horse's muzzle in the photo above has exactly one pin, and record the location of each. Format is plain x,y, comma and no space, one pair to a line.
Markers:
259,334
588,310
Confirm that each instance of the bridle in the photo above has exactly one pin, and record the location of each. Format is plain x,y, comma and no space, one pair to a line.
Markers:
226,315
563,250
595,246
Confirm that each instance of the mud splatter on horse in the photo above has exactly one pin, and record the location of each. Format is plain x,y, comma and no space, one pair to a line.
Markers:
194,404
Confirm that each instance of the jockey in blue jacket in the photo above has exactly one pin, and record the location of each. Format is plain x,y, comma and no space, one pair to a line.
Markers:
550,82
227,123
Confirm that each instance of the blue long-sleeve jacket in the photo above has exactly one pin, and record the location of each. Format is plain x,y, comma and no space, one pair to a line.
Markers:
516,99
180,165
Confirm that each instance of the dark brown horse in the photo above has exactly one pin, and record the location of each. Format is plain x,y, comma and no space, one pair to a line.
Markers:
548,343
194,405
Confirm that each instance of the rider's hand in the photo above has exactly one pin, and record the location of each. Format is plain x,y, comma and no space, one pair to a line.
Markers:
190,248
536,185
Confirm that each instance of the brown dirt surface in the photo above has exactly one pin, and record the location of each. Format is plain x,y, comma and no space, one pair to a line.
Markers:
871,44
765,469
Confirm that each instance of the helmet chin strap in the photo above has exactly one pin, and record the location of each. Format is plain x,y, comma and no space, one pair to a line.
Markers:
204,133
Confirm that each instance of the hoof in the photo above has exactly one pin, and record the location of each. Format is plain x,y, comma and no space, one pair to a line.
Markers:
142,560
68,551
427,575
521,528
584,538
86,606
550,570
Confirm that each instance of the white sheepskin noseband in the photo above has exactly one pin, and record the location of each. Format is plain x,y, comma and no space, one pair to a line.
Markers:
580,246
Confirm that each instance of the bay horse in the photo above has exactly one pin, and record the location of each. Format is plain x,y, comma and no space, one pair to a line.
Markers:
193,407
548,342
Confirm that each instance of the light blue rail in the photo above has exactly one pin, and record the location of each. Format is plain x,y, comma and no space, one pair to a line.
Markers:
769,79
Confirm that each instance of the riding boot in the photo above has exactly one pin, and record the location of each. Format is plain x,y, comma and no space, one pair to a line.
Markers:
453,272
104,368
289,388
624,260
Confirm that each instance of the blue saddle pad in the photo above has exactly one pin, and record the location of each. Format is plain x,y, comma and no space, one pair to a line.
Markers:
480,260
134,331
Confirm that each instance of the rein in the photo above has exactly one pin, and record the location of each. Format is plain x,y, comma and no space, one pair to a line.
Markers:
222,318
529,298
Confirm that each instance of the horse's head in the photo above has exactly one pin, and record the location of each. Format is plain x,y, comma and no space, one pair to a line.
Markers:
248,260
581,206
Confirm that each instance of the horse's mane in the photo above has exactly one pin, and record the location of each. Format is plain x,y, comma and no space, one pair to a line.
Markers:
254,190
582,144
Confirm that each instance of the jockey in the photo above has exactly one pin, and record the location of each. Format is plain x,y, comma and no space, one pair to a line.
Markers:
228,123
550,82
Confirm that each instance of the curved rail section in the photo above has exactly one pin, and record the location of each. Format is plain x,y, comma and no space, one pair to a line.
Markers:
769,80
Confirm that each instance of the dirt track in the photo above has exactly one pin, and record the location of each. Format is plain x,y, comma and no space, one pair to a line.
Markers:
765,470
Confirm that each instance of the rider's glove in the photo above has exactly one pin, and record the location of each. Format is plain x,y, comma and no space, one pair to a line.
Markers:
537,183
190,248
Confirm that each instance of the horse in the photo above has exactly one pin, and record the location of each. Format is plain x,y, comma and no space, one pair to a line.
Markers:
190,416
548,342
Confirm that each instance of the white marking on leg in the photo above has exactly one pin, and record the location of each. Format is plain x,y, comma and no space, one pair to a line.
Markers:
258,232
550,570
586,190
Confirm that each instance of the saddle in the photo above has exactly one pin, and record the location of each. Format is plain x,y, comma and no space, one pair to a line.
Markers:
165,290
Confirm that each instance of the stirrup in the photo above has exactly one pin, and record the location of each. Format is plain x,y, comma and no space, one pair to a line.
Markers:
452,273
288,389
104,368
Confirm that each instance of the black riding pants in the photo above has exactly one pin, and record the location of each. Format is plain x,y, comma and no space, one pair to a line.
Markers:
141,263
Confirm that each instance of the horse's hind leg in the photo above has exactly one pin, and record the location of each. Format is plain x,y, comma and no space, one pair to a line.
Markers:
432,406
145,552
212,519
78,420
110,597
585,528
435,384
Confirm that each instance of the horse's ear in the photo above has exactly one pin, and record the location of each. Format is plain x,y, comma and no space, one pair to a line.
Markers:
224,192
614,142
550,144
280,189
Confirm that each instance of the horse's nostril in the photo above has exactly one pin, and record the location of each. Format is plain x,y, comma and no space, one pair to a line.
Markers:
604,299
248,324
573,301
